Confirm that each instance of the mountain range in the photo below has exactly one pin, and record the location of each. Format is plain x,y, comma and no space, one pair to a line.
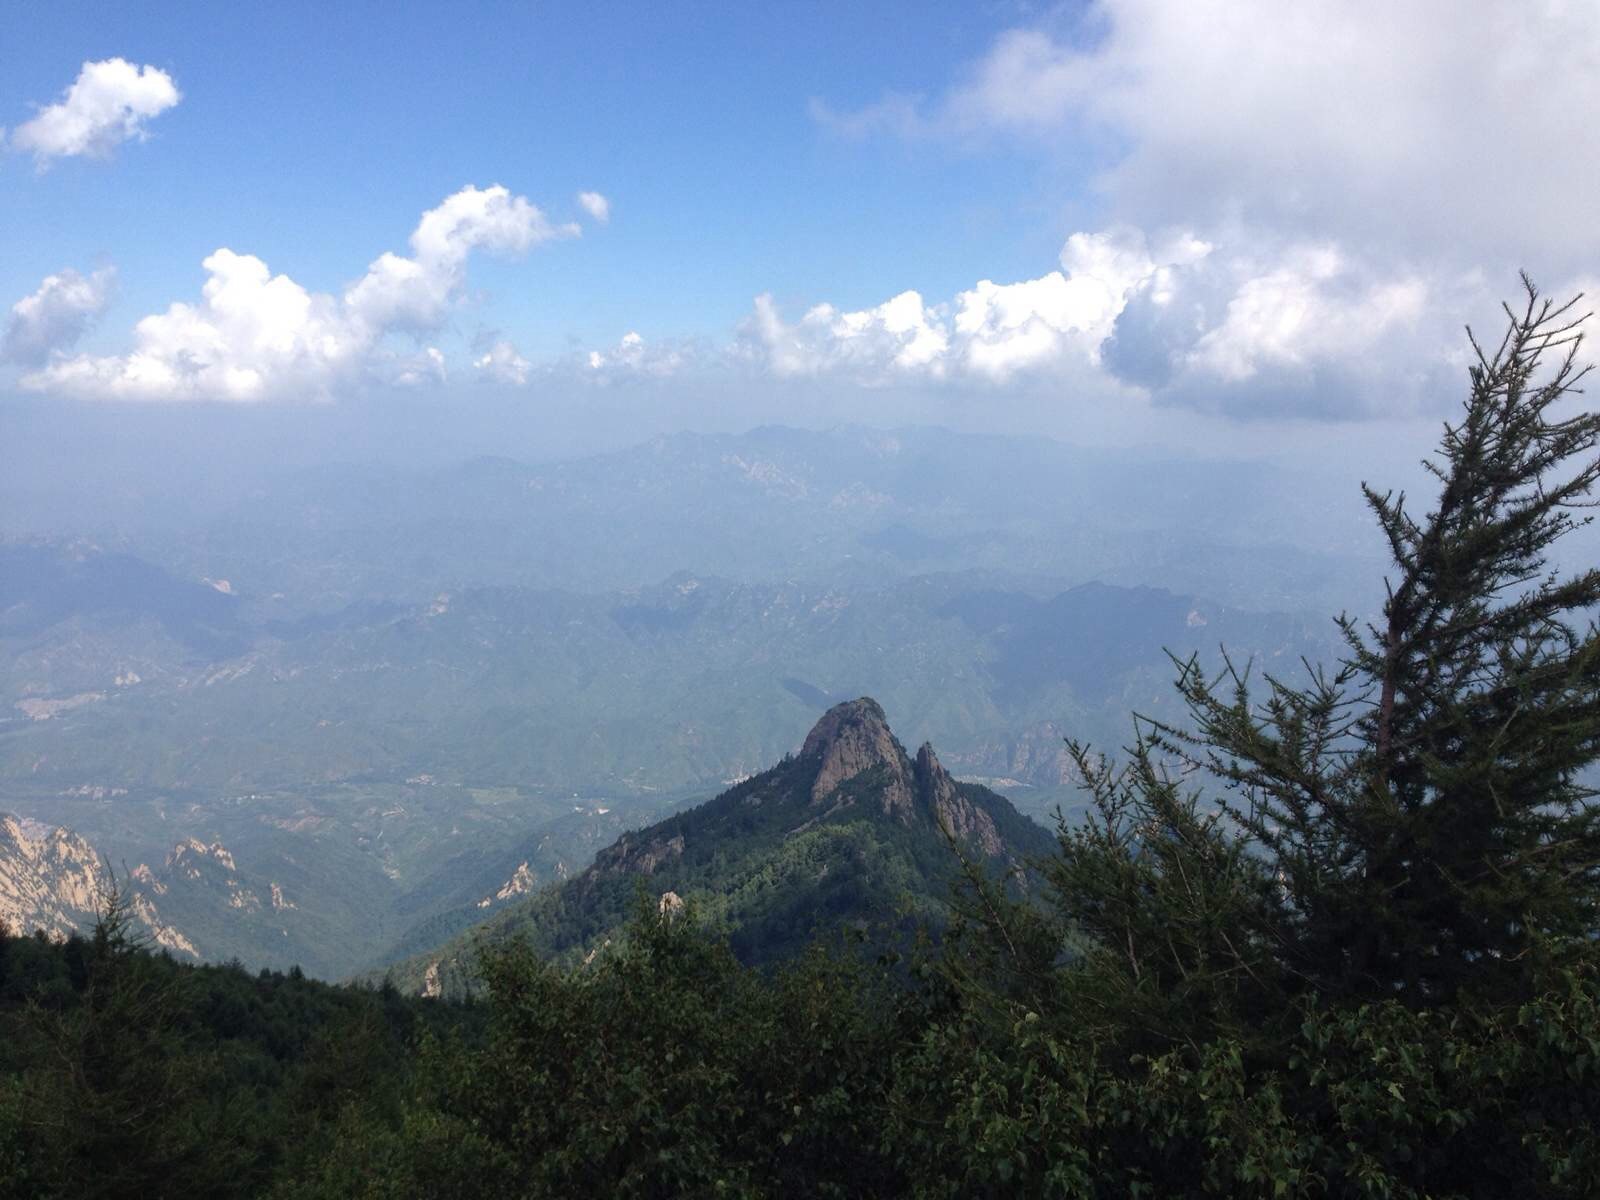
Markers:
768,505
398,699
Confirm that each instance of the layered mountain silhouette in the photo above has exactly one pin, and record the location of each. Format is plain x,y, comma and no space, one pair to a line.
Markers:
851,832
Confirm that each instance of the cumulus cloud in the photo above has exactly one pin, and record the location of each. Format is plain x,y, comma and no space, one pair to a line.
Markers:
1355,170
259,336
501,363
1294,328
989,332
899,335
415,292
108,104
55,316
414,370
596,205
1300,329
633,357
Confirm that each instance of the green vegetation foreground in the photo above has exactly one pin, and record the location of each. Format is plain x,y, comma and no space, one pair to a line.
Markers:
1336,939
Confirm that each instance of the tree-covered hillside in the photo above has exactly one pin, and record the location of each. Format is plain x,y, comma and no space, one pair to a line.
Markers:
851,833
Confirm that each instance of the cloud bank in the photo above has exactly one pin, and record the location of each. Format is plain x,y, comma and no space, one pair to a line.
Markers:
257,336
1362,175
1293,208
1187,321
109,103
1409,125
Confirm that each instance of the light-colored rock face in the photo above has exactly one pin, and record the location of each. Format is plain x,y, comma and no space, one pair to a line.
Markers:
50,879
522,881
165,935
850,739
189,856
54,880
43,710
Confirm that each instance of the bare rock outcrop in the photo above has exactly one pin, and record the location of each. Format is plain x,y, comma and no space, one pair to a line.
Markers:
50,878
938,793
853,738
634,855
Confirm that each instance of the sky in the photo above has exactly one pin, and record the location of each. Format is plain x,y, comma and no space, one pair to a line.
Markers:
1223,223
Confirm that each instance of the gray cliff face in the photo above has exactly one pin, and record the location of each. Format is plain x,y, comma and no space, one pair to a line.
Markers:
853,738
937,794
637,854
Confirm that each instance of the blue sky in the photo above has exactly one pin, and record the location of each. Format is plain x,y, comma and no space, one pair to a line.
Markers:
1135,211
311,140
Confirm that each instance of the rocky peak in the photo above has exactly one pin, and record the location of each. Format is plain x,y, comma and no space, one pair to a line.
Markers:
861,719
938,795
852,738
935,788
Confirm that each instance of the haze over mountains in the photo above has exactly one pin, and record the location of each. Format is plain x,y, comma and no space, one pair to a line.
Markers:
771,504
354,701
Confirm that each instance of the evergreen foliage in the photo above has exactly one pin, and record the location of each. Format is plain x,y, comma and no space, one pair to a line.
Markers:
1422,809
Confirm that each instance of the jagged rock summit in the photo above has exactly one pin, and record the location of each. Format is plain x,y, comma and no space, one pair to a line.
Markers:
854,738
851,831
50,878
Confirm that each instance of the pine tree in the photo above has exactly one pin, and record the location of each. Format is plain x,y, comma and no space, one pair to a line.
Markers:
1424,809
1416,823
115,1107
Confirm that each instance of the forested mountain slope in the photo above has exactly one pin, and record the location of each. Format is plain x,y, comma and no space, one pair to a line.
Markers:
853,831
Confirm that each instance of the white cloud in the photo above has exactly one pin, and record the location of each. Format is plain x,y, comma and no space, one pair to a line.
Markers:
1421,124
414,292
56,315
258,336
501,363
898,336
414,370
1288,318
987,333
634,357
1274,329
1363,175
252,334
1292,329
596,205
109,103
1027,81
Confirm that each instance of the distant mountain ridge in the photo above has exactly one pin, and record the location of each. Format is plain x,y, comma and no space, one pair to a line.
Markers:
851,831
688,683
768,504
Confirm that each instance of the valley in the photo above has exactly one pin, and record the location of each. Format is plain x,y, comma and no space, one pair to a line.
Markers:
396,702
